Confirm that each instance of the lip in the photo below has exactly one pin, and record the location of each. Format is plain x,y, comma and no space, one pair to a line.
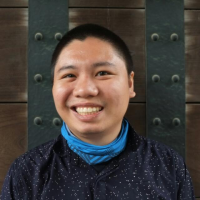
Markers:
89,117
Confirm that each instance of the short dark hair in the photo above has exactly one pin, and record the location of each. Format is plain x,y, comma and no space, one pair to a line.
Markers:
92,30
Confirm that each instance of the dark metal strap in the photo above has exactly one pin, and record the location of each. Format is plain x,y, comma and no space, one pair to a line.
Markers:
165,72
48,21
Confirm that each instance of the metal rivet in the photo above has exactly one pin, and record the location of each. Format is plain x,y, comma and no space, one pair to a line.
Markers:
176,121
38,36
57,122
156,78
58,36
38,78
38,121
175,78
174,37
155,37
156,121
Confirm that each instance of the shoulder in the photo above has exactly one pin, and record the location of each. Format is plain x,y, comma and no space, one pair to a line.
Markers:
155,151
158,157
33,159
163,164
29,169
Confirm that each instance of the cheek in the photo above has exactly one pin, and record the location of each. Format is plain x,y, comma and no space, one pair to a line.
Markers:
61,94
118,93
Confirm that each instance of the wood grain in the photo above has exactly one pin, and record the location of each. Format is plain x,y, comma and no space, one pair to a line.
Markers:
108,3
13,134
13,3
192,4
83,3
13,54
189,4
192,52
136,116
192,144
13,47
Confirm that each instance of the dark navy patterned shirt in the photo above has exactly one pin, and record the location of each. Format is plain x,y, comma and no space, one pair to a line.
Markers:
144,170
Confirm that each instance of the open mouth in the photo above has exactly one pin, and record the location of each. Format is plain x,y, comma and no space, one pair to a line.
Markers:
87,110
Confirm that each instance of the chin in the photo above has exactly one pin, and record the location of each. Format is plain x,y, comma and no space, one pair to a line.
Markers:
90,131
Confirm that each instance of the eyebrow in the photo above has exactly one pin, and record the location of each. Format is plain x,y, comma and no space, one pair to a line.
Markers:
98,64
66,67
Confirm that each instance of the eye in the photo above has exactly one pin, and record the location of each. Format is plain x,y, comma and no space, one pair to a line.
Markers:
102,73
69,76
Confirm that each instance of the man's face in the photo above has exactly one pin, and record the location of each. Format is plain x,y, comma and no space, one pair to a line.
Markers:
91,88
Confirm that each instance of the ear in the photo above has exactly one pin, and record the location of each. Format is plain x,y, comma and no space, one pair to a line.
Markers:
131,85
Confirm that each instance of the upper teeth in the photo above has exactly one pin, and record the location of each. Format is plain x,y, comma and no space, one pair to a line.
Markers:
87,109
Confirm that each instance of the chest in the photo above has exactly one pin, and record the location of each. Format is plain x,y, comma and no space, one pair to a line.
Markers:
123,181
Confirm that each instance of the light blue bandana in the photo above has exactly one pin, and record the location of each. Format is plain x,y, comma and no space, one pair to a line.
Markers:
94,154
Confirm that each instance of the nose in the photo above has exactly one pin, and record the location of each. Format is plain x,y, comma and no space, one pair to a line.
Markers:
85,87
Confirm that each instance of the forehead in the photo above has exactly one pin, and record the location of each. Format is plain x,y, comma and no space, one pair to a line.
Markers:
90,46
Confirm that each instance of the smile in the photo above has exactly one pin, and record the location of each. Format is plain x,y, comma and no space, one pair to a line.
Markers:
87,110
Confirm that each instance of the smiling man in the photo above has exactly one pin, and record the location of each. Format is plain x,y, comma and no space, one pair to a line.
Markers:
98,155
92,89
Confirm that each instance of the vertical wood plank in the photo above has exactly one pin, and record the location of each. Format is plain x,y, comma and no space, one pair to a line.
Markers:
13,54
13,134
136,116
192,52
192,144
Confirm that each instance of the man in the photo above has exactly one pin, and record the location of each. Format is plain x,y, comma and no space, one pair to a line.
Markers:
98,154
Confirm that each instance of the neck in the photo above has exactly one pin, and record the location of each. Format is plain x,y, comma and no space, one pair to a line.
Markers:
99,138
